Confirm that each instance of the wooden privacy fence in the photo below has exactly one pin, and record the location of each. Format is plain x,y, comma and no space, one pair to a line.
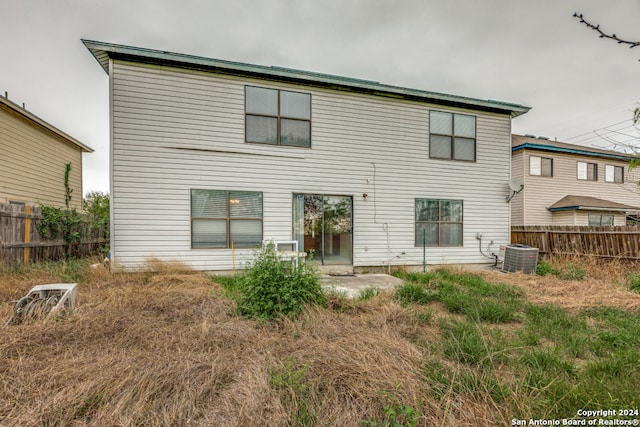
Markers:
20,241
604,242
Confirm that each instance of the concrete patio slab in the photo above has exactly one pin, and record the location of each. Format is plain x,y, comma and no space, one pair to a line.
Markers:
353,284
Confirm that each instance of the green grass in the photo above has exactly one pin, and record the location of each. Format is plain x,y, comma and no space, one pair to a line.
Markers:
633,282
495,343
367,294
571,271
290,382
466,294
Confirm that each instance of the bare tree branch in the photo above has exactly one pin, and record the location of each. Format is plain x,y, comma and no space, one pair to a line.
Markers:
604,35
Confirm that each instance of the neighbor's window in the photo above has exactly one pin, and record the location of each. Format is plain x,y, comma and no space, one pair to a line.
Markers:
438,222
277,117
222,219
600,220
613,173
540,166
452,136
587,171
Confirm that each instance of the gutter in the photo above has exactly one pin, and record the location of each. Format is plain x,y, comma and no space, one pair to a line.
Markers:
588,208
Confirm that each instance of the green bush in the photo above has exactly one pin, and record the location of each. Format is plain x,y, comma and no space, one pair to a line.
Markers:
271,287
545,268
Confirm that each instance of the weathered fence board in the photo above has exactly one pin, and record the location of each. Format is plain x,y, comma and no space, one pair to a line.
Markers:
20,241
603,242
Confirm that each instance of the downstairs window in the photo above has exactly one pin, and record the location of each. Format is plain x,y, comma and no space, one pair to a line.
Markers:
225,219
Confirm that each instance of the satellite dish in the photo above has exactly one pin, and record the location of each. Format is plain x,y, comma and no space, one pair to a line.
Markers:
516,186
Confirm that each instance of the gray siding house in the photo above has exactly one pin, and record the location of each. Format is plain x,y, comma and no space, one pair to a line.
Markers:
568,184
210,158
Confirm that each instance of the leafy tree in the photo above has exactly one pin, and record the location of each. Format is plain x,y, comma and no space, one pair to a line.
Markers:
96,206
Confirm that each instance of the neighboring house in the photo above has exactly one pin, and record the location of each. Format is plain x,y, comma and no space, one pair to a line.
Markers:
210,158
567,184
33,159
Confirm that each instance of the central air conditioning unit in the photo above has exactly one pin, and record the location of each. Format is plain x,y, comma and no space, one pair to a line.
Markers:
519,258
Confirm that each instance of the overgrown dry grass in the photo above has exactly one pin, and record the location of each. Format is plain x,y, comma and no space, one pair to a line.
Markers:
603,286
166,348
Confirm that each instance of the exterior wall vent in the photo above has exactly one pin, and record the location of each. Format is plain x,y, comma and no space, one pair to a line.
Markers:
520,258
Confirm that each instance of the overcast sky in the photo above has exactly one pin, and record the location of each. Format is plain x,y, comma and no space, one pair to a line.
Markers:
582,89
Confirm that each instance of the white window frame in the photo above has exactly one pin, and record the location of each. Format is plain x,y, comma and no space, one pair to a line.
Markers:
610,174
453,136
583,171
439,223
228,218
280,116
535,166
600,218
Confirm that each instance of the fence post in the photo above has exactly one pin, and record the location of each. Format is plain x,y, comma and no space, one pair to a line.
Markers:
27,234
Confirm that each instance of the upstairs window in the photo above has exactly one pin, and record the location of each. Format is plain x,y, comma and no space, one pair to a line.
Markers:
277,117
452,136
225,219
587,171
540,166
438,222
613,173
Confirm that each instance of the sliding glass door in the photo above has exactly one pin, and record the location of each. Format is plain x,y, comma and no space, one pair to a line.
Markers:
323,227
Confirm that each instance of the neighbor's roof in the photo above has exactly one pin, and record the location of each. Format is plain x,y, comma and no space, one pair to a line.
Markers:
588,203
15,108
103,51
519,142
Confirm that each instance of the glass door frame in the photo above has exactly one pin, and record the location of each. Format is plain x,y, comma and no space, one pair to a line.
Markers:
301,247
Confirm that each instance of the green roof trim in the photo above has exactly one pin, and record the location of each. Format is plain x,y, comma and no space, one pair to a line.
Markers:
543,147
104,51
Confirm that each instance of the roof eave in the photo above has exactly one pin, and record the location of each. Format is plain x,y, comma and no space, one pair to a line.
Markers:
592,208
550,148
32,117
103,51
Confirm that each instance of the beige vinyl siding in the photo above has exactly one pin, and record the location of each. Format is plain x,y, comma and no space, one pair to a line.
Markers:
517,202
32,163
174,130
542,192
568,218
617,219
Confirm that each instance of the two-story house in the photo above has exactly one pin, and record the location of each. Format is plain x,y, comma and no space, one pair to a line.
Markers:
567,184
33,160
210,158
